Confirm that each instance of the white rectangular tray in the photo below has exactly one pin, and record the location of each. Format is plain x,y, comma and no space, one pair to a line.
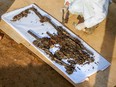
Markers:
31,22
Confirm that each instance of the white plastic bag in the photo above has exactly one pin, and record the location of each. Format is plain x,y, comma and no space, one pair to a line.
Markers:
93,11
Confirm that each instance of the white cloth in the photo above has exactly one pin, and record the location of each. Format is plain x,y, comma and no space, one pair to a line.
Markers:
80,26
93,11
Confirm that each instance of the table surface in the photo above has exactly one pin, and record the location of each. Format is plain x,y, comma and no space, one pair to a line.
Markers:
99,40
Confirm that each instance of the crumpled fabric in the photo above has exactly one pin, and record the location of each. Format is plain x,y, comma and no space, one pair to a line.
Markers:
93,11
80,26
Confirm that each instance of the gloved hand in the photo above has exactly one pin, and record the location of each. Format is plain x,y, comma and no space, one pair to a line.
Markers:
80,26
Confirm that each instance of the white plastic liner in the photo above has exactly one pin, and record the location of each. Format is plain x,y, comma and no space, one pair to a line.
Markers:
31,22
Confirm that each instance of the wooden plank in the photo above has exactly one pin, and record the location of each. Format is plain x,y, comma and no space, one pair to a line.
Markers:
10,32
13,34
16,37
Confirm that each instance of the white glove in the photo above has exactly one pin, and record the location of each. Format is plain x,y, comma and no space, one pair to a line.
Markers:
80,26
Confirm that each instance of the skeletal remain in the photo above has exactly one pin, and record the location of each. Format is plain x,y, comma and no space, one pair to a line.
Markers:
21,15
71,48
